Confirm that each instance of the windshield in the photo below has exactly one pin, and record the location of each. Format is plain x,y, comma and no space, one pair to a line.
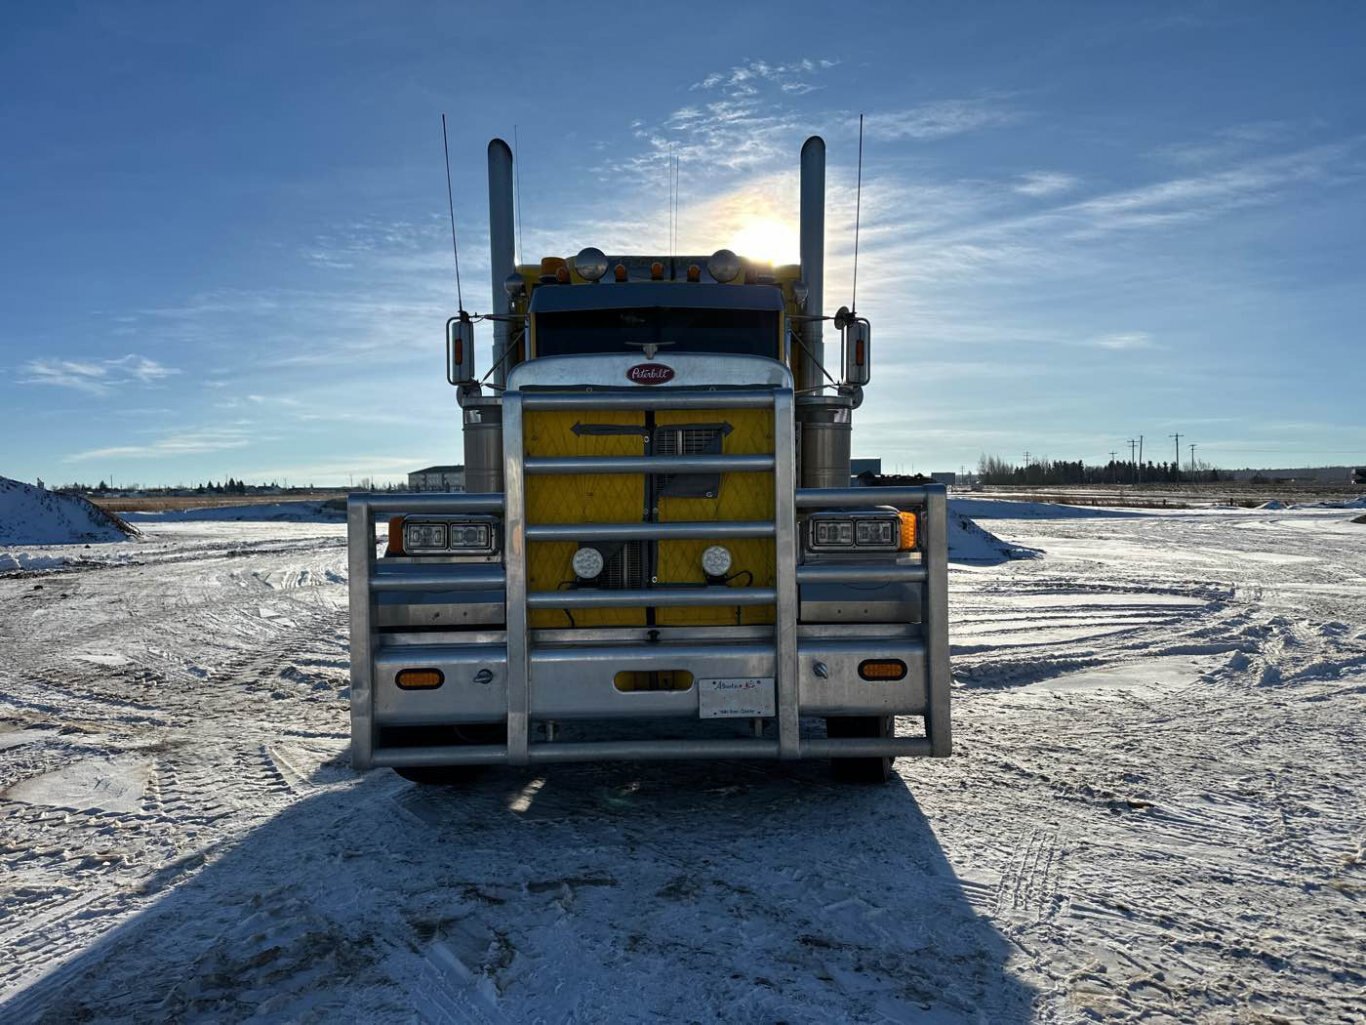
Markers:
578,332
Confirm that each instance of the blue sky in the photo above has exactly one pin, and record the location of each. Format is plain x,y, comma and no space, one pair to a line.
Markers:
227,251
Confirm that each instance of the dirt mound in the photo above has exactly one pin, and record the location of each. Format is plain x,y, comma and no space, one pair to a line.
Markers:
31,515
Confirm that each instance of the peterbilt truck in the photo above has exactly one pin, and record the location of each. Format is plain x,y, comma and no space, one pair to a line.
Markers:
658,553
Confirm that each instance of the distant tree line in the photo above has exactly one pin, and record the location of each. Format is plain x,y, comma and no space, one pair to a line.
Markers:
995,470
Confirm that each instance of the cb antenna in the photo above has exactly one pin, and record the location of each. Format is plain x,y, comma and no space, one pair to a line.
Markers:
858,202
450,203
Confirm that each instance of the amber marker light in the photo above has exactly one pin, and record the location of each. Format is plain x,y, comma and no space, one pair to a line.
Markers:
910,525
620,272
419,679
694,272
656,271
882,669
395,536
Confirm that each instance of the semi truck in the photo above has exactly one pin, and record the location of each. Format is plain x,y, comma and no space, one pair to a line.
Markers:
658,553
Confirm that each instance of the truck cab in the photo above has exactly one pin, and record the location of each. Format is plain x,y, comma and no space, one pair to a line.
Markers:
658,530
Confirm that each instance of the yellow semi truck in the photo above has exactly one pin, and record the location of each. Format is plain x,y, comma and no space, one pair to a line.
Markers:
658,553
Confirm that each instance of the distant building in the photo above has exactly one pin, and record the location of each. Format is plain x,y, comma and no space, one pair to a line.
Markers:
944,477
857,467
437,478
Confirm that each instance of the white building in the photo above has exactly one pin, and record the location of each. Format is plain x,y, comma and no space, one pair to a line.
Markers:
437,478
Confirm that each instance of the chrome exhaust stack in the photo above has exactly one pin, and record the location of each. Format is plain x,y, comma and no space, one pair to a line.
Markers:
813,259
501,251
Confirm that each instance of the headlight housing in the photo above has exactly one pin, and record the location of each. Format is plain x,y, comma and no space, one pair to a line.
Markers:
880,529
443,535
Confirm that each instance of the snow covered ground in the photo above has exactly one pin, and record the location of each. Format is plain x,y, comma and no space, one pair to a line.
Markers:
1154,812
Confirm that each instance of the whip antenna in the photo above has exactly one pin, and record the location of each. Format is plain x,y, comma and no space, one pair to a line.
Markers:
858,202
450,203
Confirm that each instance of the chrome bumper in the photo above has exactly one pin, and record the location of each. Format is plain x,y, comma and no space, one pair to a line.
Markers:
520,677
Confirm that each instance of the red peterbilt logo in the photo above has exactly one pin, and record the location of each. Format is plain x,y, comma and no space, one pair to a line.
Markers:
650,373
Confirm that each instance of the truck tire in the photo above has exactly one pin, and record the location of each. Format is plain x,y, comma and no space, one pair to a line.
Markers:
454,775
860,770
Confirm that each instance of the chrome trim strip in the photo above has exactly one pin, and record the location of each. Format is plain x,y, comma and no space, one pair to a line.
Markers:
406,502
648,531
649,464
785,575
912,496
939,677
643,398
514,546
360,547
822,573
448,577
588,598
872,747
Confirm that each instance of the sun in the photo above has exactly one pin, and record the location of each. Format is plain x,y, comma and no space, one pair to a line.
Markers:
766,240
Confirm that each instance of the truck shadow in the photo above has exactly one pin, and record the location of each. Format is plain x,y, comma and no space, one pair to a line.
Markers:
594,893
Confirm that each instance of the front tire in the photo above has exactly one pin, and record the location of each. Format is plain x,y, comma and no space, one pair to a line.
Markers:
863,771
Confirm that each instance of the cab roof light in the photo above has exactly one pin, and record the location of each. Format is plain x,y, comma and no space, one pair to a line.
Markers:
591,263
694,273
562,275
619,272
656,271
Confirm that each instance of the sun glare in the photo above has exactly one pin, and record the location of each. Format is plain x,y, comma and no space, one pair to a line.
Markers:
767,240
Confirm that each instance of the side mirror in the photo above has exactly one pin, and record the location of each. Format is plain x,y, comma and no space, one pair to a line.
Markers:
857,336
460,349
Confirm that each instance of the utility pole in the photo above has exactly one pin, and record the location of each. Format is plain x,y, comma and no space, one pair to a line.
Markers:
1140,459
1177,464
1133,466
1192,448
1112,466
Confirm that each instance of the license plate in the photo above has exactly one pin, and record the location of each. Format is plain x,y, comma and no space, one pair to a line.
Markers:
739,697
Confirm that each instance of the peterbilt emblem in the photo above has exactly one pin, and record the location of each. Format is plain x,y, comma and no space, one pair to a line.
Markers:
484,677
650,373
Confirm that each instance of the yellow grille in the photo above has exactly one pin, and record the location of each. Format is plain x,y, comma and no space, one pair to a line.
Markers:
580,498
743,496
620,498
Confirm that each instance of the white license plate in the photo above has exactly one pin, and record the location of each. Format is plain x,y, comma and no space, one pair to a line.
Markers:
737,697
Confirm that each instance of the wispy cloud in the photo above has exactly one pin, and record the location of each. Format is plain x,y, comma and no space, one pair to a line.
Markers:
1045,183
178,443
1124,340
95,377
938,119
791,77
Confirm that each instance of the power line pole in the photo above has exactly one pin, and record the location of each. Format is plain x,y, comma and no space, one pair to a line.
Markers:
1133,466
1140,459
1112,466
1192,448
1178,451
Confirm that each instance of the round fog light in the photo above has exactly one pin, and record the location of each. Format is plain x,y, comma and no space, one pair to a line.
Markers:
588,563
716,561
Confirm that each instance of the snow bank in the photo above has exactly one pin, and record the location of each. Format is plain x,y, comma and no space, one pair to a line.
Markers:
280,512
1005,509
1352,503
1273,504
35,516
969,542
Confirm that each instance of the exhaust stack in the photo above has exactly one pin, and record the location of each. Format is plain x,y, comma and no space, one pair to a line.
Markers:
501,251
813,258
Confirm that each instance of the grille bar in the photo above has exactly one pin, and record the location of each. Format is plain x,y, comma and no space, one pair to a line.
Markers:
649,464
683,531
593,598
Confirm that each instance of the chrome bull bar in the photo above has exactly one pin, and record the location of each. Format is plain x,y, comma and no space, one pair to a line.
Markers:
368,579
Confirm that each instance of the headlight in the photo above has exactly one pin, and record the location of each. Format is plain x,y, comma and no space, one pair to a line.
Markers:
440,535
588,563
716,561
724,266
871,530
